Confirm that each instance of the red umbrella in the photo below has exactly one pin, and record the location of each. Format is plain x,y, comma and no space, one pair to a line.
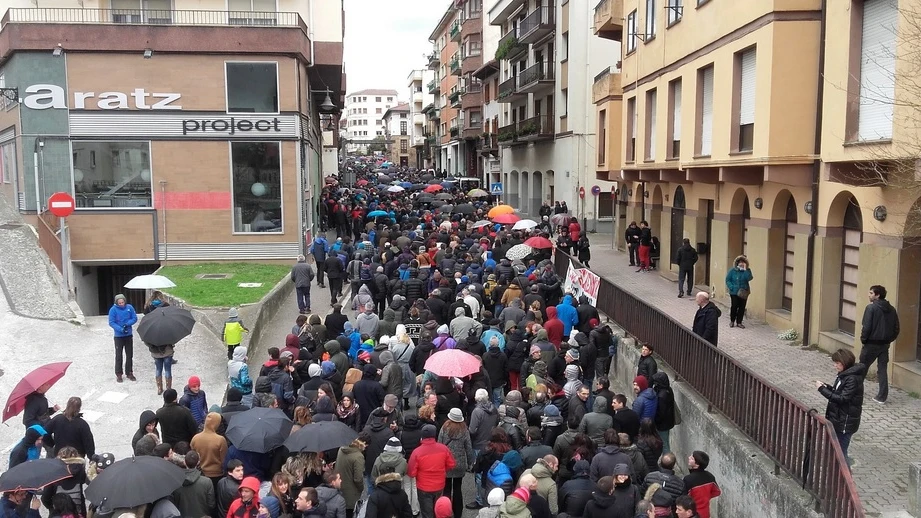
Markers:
453,362
506,219
361,183
47,374
433,188
539,242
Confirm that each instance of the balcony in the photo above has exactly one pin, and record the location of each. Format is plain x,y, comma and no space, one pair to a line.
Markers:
472,24
154,17
434,114
609,22
537,25
455,66
434,60
607,85
473,96
489,143
434,86
507,134
507,90
473,130
455,32
536,128
502,10
417,96
418,141
455,131
509,46
536,79
455,98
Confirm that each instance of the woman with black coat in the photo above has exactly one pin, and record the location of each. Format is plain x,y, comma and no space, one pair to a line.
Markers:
389,500
845,397
69,429
650,444
665,409
325,410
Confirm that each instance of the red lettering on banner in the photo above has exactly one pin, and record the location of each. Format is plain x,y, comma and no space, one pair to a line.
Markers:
192,200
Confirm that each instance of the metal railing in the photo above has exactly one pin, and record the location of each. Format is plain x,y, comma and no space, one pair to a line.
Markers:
153,17
538,17
798,439
537,126
48,238
534,73
507,87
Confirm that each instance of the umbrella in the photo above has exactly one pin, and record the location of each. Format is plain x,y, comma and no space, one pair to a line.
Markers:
433,188
382,186
395,188
452,362
500,209
377,214
444,206
506,219
434,181
44,375
560,219
518,252
135,481
444,196
525,224
149,282
166,325
465,208
259,429
417,187
361,182
482,223
34,475
381,177
406,185
539,242
477,193
427,177
448,184
321,436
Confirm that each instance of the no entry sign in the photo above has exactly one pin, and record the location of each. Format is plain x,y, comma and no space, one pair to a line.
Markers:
61,204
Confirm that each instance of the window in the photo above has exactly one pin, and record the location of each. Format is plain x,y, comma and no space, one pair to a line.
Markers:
403,128
650,21
249,12
378,110
377,99
252,87
404,146
746,63
602,135
390,99
705,101
149,11
256,185
651,124
564,47
789,255
111,174
673,11
631,32
631,129
565,110
8,164
877,70
675,150
402,115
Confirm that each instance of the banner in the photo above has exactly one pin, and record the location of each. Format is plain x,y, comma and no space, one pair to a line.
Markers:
581,281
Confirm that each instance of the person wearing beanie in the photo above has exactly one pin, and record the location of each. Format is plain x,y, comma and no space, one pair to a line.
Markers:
646,401
232,332
494,501
269,504
429,465
176,421
211,447
572,373
391,460
551,425
516,505
195,400
121,319
443,508
700,484
233,407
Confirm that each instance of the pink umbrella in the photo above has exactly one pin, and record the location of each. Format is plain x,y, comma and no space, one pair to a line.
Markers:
539,242
46,374
453,362
433,188
506,219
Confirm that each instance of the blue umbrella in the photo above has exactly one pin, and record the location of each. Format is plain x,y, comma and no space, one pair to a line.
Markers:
447,185
406,185
377,214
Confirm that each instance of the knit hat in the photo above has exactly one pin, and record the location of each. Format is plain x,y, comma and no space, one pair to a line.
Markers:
443,507
103,460
522,494
328,367
573,353
593,322
394,445
571,372
443,328
428,431
534,349
581,467
233,313
120,296
701,458
314,370
456,415
289,354
620,469
641,382
496,496
234,395
271,503
551,411
513,397
194,382
384,340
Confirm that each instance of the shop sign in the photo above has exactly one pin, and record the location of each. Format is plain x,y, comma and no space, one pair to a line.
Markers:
45,96
186,124
229,126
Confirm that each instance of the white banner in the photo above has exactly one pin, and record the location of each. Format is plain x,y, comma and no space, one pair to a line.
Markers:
581,281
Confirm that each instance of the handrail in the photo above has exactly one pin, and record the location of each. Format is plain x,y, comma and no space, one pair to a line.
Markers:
797,438
165,17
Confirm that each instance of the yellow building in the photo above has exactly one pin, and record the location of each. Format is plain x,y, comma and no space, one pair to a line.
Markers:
721,140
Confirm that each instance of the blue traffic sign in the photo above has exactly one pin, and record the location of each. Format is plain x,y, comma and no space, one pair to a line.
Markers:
495,188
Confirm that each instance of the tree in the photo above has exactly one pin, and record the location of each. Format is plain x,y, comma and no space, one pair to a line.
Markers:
378,144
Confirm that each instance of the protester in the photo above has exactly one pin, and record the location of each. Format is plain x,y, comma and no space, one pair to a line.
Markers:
121,319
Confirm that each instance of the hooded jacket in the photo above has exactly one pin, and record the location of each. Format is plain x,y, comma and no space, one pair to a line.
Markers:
880,323
596,422
238,509
604,461
196,495
514,507
576,492
429,465
389,500
210,446
391,375
603,505
567,313
388,325
554,326
845,399
369,394
366,323
483,419
586,312
361,298
146,417
238,371
665,402
737,279
389,462
461,325
546,486
496,363
339,359
350,463
332,499
121,319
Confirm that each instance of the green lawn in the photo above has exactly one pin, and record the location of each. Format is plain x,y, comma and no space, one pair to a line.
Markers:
223,292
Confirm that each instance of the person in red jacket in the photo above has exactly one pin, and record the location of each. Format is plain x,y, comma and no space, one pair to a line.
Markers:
700,484
429,465
554,327
247,506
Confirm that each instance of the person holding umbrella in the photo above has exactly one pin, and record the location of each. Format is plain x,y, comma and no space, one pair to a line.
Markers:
122,317
12,501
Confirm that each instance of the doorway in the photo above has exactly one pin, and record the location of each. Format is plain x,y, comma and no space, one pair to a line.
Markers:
112,280
707,239
677,230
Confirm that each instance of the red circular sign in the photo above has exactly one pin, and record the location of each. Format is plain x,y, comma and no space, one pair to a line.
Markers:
582,192
61,204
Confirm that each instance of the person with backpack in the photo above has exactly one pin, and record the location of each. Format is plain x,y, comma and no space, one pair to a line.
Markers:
320,249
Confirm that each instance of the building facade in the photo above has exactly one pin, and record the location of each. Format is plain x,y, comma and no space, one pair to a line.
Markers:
419,98
397,134
806,169
445,111
188,135
364,117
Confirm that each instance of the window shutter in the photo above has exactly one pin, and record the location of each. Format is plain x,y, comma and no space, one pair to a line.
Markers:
676,116
632,113
706,120
652,124
747,88
877,70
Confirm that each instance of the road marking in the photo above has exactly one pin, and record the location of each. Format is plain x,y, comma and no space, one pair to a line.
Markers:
86,397
113,397
92,416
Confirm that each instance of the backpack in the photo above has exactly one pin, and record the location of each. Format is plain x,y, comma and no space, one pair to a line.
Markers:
355,269
498,474
365,274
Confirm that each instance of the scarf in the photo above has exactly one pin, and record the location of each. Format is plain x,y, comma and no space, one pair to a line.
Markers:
345,413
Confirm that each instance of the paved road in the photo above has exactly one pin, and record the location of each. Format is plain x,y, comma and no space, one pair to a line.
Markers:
889,435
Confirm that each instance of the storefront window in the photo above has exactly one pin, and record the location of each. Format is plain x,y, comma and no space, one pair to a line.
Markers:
111,174
252,87
8,162
256,184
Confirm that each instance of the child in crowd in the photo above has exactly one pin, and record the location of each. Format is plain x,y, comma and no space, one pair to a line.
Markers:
233,331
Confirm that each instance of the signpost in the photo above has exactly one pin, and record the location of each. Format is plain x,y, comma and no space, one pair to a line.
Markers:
62,205
496,189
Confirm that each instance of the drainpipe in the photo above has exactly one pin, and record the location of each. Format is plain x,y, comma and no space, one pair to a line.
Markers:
816,175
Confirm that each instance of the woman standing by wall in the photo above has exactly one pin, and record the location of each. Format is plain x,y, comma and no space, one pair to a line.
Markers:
737,279
845,397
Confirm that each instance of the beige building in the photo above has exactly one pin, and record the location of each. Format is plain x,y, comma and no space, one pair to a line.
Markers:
722,140
397,134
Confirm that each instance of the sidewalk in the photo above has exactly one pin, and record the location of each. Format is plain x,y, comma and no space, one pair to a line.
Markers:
889,435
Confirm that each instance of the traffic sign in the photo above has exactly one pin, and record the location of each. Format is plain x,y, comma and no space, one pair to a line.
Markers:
596,190
495,188
582,192
61,204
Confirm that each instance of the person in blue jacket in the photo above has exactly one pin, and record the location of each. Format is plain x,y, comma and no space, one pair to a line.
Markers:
121,319
566,312
646,402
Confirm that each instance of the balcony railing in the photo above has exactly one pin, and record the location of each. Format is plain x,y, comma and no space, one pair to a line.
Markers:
455,30
454,96
536,128
154,17
532,75
455,131
507,134
489,142
509,46
472,53
434,114
474,15
434,59
455,65
473,88
507,88
540,23
434,86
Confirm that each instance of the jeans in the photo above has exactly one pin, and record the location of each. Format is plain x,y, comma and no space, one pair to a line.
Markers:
844,439
381,306
682,273
164,365
478,481
871,353
427,502
124,345
454,490
737,309
497,394
666,446
633,252
303,298
369,485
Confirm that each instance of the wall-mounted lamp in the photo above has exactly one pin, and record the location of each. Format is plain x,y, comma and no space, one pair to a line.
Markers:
617,192
645,194
808,207
148,53
880,213
58,50
759,203
629,192
666,197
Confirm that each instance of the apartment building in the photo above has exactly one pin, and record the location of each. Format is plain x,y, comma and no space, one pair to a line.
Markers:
419,99
723,141
183,133
547,122
397,134
445,112
364,116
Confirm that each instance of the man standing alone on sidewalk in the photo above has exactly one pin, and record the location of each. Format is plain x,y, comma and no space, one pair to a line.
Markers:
686,257
880,327
706,320
302,275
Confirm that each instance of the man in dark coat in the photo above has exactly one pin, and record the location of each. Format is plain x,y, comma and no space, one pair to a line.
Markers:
335,272
176,421
686,258
647,365
369,394
335,322
576,492
586,313
706,320
389,499
625,419
608,456
880,327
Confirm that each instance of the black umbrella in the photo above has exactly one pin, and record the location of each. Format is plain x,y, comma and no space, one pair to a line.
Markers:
321,436
427,177
134,481
259,429
417,187
166,325
464,208
444,196
34,475
384,178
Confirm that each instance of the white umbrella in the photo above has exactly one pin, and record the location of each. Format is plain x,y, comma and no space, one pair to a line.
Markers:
395,188
519,252
149,282
525,224
482,223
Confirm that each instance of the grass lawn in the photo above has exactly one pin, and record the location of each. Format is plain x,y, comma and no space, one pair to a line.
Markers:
222,292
